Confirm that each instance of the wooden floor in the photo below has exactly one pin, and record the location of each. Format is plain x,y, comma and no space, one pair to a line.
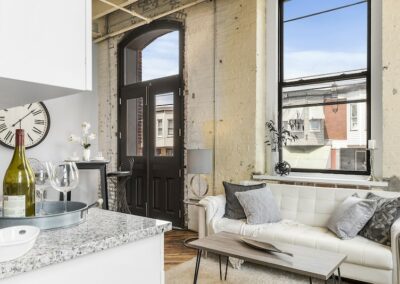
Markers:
174,250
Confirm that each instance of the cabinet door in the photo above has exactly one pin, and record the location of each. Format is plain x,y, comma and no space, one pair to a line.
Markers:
47,42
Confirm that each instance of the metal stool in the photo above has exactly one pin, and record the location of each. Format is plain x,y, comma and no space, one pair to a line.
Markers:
121,178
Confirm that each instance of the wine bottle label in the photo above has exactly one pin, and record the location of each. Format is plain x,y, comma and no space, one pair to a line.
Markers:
14,206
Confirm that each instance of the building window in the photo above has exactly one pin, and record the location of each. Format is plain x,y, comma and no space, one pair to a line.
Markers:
159,127
324,84
315,125
353,117
170,127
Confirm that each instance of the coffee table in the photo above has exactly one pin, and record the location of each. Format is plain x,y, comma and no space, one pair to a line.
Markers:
313,263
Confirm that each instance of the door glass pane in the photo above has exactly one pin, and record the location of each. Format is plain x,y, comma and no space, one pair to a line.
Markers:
161,57
134,127
164,112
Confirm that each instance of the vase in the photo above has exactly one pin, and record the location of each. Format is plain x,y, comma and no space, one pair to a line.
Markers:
86,155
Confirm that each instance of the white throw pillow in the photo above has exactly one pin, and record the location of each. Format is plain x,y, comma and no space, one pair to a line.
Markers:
260,206
351,216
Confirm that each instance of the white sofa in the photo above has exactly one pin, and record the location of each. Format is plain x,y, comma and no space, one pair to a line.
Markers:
305,212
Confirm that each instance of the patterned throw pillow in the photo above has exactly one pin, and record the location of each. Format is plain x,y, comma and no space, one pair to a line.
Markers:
378,227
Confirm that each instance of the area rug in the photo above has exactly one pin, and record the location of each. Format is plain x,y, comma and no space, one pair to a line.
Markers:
248,273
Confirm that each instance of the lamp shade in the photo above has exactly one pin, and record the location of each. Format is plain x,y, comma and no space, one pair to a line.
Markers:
199,161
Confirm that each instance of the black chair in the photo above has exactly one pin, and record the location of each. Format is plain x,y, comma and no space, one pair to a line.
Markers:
120,178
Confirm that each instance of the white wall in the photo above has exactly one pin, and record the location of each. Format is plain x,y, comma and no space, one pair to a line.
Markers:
66,115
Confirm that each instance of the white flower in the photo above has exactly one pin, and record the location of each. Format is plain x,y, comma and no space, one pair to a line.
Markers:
92,136
85,127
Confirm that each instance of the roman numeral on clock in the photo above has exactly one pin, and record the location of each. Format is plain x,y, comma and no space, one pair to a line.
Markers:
39,121
36,112
36,130
3,127
30,138
2,118
8,136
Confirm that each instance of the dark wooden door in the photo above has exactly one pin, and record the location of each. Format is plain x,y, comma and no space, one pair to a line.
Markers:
165,153
151,132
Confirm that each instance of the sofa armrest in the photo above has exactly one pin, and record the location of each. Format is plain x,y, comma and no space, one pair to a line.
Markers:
395,243
214,207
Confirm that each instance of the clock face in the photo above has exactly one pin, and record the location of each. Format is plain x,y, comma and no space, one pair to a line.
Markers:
33,118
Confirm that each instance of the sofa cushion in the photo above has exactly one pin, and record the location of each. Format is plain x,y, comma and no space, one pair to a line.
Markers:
351,216
387,212
259,205
359,250
233,209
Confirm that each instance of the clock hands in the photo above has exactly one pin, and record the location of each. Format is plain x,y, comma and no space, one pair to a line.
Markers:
19,121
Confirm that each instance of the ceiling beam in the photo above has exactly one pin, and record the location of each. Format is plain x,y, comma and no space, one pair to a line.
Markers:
100,9
136,25
131,12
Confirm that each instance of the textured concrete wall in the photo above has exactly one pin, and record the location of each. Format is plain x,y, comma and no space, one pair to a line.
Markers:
391,87
225,69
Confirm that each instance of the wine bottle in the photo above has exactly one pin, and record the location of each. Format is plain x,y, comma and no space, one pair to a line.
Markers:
19,183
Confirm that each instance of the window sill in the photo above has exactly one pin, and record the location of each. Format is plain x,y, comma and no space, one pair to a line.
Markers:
317,178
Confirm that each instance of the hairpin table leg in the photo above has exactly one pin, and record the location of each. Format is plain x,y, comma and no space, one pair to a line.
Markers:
196,271
220,270
226,267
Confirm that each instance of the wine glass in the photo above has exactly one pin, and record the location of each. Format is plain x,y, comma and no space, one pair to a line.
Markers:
63,177
41,177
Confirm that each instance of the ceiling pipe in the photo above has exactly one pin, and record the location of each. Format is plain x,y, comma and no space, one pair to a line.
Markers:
136,25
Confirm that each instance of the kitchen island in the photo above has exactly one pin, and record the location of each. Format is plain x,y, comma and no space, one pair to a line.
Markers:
109,247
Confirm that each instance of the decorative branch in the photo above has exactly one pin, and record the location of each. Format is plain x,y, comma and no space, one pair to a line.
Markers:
278,137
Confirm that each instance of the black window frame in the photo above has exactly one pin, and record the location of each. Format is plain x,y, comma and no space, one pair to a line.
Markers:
302,82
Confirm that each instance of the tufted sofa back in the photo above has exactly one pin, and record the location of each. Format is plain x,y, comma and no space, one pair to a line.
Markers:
314,205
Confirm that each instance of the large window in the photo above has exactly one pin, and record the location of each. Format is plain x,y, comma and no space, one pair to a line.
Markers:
324,84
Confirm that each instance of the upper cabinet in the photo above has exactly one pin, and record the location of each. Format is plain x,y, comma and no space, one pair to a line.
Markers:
45,50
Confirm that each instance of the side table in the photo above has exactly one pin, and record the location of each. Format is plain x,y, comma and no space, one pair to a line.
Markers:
195,202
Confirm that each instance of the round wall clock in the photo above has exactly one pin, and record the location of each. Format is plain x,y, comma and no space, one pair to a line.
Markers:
33,118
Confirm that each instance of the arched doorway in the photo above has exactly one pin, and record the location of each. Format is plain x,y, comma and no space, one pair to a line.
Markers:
150,119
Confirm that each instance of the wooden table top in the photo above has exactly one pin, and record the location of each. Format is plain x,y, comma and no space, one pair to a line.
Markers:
309,262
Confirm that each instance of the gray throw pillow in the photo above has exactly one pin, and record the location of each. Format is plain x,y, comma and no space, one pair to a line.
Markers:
378,229
351,216
233,209
260,206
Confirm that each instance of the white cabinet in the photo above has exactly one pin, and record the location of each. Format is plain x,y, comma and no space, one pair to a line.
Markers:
45,50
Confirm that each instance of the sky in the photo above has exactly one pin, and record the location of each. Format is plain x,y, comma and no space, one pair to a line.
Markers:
327,43
161,57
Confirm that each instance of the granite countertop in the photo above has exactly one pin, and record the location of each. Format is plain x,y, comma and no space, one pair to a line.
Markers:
102,230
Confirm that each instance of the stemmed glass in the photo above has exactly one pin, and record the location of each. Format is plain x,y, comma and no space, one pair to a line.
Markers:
41,177
63,177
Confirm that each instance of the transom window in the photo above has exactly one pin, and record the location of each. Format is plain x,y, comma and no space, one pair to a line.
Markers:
324,84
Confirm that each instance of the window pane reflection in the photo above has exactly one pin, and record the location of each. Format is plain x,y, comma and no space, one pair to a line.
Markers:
327,137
